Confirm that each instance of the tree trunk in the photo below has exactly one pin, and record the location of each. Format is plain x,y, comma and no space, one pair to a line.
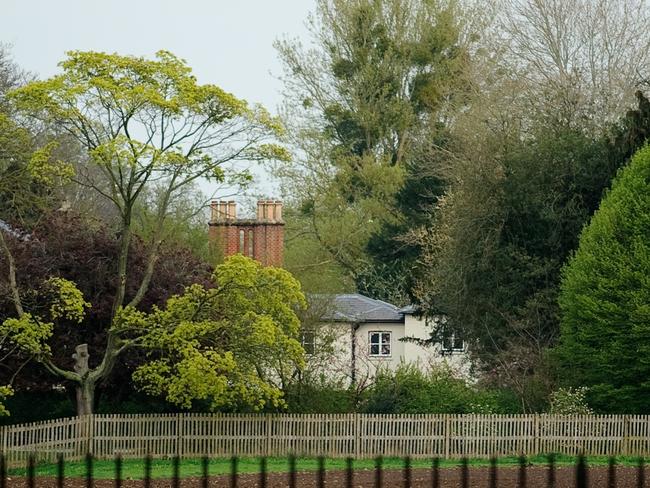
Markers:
85,396
86,386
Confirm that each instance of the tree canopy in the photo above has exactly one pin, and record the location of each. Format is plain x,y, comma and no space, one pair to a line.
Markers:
380,75
605,328
229,344
143,124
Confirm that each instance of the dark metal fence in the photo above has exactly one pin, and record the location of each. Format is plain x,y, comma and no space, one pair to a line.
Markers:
579,480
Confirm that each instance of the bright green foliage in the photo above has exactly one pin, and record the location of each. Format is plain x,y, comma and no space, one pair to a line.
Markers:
570,401
605,298
5,391
45,170
150,131
30,334
67,301
229,344
106,101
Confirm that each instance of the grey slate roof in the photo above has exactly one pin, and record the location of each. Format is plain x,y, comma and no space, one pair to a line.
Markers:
409,310
358,308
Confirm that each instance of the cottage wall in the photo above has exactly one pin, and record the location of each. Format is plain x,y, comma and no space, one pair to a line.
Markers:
337,362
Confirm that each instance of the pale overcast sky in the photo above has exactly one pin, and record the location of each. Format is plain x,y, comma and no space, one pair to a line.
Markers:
228,43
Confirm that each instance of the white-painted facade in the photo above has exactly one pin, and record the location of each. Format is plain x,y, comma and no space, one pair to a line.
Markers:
349,349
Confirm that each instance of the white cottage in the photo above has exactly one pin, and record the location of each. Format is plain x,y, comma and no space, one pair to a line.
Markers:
356,335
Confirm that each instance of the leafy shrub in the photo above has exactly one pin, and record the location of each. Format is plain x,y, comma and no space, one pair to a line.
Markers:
318,395
570,401
439,390
494,401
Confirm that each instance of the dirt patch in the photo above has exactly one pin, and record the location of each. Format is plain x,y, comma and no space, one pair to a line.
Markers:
536,477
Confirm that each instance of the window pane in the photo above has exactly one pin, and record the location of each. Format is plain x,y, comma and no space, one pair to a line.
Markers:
385,338
374,349
458,342
241,241
385,350
250,243
374,338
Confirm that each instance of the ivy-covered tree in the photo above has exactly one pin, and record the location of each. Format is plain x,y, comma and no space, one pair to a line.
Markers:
142,123
605,297
377,83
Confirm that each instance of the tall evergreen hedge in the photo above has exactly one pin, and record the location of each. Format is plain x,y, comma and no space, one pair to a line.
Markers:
605,298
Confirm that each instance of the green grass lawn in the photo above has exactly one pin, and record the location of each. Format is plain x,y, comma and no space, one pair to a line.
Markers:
162,468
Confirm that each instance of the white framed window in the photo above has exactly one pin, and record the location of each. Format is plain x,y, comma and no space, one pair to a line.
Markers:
308,342
379,343
452,342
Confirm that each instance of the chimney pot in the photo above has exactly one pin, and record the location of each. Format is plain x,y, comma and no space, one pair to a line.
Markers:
269,210
222,210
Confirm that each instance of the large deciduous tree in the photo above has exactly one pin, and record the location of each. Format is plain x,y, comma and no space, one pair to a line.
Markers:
589,55
605,297
375,85
142,123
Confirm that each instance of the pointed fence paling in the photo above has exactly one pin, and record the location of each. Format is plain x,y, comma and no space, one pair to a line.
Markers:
345,435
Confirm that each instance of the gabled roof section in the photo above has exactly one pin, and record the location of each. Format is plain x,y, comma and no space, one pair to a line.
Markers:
353,307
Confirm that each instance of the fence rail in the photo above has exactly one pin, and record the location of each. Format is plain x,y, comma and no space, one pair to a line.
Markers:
337,436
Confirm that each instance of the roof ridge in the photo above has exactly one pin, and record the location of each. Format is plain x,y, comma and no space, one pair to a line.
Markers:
376,300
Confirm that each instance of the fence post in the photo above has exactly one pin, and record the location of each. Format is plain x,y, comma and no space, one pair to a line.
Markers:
179,434
537,434
269,427
89,421
625,448
447,435
357,436
4,429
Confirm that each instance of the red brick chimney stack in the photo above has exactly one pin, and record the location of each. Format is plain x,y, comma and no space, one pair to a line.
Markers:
261,238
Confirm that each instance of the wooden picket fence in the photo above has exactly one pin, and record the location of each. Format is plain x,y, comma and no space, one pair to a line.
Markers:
354,435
